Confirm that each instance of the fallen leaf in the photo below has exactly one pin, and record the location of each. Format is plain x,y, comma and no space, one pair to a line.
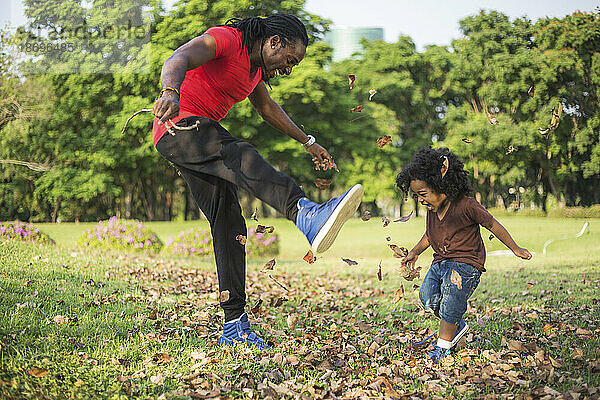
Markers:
530,284
309,257
269,265
366,216
456,279
379,276
515,345
224,296
351,79
38,372
241,239
549,329
253,217
399,294
386,221
157,379
468,141
322,183
405,218
349,261
357,109
263,229
162,358
372,93
78,383
256,309
399,252
384,140
583,332
531,91
59,319
292,321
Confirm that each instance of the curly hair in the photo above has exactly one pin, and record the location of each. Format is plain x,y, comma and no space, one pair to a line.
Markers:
426,166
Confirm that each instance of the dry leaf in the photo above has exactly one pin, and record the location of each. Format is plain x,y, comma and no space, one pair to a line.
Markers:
399,294
157,379
456,279
241,239
351,79
366,216
253,217
468,141
379,276
549,329
530,284
405,218
515,345
269,265
357,109
309,257
349,261
59,319
38,372
409,273
384,140
399,252
322,183
372,93
531,91
386,221
263,229
256,309
162,358
292,321
224,296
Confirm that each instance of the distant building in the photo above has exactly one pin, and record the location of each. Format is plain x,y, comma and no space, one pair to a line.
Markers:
346,41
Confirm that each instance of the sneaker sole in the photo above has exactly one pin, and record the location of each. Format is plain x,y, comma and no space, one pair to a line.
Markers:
342,213
460,335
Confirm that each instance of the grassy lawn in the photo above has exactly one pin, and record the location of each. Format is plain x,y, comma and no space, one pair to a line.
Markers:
81,324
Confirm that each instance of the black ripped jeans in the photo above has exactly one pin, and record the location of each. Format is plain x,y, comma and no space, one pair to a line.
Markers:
214,164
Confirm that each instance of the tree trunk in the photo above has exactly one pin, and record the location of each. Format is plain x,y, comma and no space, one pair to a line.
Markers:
56,208
169,206
128,200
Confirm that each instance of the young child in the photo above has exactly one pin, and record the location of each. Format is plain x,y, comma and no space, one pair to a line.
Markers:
438,181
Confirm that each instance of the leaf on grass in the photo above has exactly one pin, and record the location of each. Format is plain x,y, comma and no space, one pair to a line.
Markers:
224,296
269,265
405,218
366,216
468,141
292,321
351,79
241,239
38,372
349,261
445,166
309,257
386,221
253,217
162,358
399,251
158,379
263,229
456,279
399,294
549,329
384,140
530,284
357,109
372,93
379,275
531,91
491,237
256,309
59,319
322,183
515,345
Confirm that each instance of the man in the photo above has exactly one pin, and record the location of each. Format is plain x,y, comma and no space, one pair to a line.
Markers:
201,81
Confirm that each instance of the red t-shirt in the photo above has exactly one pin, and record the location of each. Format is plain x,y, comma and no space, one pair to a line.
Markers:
213,88
456,236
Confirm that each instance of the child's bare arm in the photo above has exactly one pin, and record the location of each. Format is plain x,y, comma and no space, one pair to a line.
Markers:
411,257
502,234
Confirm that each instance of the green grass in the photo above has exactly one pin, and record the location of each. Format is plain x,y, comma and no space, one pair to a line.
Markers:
106,349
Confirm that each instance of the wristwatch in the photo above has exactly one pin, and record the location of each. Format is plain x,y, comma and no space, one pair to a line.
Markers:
311,141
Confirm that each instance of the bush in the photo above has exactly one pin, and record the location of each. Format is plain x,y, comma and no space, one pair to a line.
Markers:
576,212
17,230
261,244
116,234
193,242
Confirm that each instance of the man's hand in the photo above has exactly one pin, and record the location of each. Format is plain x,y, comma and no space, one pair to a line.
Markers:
321,157
167,106
410,260
522,253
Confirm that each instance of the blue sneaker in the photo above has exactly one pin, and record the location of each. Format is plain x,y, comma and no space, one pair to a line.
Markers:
438,353
239,331
424,341
461,331
321,223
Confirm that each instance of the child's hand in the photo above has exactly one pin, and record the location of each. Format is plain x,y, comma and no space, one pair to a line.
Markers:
522,253
410,260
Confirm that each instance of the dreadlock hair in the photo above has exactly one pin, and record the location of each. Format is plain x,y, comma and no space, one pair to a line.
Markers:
426,166
287,27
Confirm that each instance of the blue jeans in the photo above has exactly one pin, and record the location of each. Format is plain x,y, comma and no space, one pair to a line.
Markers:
439,293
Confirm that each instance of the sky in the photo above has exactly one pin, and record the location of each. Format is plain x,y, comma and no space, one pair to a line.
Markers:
425,21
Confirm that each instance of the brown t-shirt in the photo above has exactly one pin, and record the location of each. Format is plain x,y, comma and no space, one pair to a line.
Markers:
456,237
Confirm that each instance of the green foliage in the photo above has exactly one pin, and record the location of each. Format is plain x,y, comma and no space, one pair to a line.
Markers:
17,230
117,234
576,212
